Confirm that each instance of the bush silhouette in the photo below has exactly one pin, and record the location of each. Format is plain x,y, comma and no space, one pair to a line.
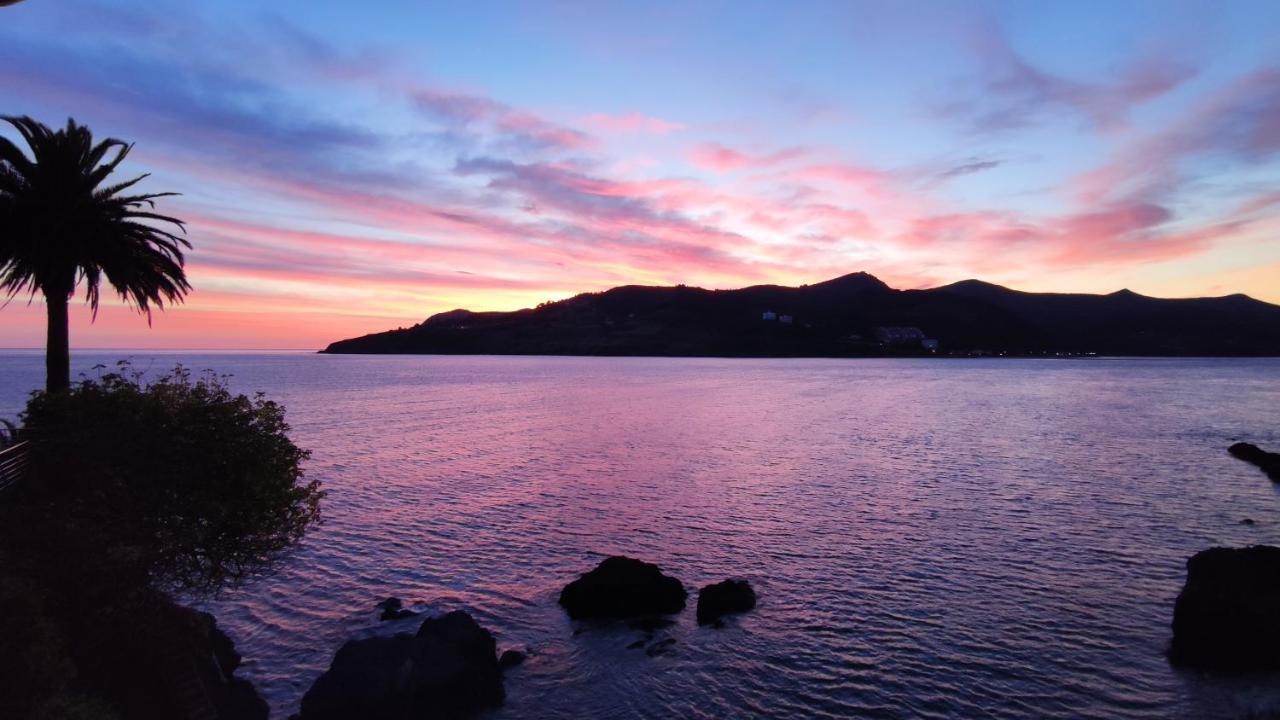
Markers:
195,485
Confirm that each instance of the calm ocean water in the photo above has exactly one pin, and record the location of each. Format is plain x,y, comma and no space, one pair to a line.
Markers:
928,538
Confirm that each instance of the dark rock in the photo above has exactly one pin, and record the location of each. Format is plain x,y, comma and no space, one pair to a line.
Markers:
392,610
224,650
730,596
1248,521
449,669
510,659
1226,618
660,648
1268,462
226,695
623,587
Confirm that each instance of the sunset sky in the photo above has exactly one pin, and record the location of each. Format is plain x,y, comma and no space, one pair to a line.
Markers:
350,168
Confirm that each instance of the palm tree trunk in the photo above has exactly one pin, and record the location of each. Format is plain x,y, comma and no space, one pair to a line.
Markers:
57,352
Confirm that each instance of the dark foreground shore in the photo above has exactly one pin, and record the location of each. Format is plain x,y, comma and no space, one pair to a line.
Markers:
96,642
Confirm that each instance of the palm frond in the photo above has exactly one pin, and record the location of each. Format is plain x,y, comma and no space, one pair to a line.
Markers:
62,227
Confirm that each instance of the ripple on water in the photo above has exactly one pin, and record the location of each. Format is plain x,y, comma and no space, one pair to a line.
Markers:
930,539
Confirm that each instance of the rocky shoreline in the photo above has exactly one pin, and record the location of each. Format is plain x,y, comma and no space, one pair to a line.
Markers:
1223,622
450,667
97,642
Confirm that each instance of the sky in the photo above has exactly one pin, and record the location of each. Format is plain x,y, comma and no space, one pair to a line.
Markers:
350,168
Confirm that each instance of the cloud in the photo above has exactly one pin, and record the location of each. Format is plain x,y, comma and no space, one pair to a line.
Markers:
1118,234
632,123
1010,93
587,205
720,159
1239,125
969,168
195,111
520,127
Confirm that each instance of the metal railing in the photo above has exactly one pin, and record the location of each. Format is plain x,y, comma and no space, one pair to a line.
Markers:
15,462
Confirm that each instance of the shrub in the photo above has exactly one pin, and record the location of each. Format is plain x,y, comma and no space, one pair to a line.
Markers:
198,486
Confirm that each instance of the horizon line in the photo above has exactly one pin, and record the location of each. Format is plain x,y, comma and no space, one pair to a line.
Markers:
170,349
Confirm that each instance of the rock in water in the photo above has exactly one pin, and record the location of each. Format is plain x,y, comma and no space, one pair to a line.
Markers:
662,647
511,658
449,669
1227,617
392,609
1268,462
623,587
730,596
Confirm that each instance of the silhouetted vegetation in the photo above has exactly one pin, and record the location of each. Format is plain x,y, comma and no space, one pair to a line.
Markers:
61,224
40,678
199,484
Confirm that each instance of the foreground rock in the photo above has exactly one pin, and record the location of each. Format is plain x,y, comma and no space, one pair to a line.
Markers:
233,697
623,587
724,598
449,669
1227,617
1268,462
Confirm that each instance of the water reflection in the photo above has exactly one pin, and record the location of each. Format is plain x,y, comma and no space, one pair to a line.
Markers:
927,538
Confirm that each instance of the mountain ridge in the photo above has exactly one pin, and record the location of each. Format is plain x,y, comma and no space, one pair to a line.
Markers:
855,314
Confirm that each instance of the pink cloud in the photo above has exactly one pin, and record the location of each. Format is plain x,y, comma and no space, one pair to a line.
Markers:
632,123
721,159
1117,235
466,110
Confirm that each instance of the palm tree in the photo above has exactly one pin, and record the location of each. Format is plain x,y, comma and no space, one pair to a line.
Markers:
59,226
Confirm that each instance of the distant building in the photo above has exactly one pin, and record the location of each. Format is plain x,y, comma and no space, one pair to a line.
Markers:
900,335
785,319
769,315
929,344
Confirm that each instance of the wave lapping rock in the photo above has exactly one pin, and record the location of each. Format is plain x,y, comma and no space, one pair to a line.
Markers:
724,598
1227,617
622,587
1268,462
449,669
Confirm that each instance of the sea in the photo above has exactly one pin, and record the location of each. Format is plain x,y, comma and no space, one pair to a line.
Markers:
928,538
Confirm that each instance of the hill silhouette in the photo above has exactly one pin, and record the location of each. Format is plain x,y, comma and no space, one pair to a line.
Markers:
852,315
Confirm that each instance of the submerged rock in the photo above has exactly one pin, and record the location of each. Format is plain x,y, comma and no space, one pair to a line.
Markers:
1227,617
723,598
449,669
650,623
623,587
1268,462
511,658
662,647
392,609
